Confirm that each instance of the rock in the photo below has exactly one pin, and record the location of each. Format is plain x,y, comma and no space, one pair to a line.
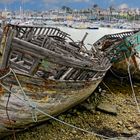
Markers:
104,91
136,137
134,131
120,123
138,100
75,110
87,106
62,130
99,89
62,117
137,125
130,128
126,132
135,86
78,113
69,115
74,132
107,108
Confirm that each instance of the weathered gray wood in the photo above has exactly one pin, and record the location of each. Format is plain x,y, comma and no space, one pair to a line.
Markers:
51,31
44,31
60,73
17,47
78,73
21,62
54,57
41,51
30,35
40,31
82,76
14,59
36,42
18,66
34,66
54,32
27,62
7,49
35,30
47,31
68,76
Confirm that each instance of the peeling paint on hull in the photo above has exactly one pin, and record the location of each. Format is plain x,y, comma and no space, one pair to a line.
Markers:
48,98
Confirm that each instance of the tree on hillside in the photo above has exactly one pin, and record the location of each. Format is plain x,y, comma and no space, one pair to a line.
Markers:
66,8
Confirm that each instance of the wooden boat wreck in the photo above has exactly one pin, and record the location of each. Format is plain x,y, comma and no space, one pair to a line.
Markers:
45,68
123,50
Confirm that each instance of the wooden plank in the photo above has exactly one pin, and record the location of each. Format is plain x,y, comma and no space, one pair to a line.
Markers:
7,48
50,54
17,47
43,32
46,33
51,31
75,77
68,76
60,73
34,66
36,42
54,57
40,31
30,35
18,66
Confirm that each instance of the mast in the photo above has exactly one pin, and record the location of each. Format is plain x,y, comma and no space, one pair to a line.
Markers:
21,10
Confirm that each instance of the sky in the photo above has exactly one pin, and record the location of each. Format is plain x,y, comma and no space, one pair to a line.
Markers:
74,4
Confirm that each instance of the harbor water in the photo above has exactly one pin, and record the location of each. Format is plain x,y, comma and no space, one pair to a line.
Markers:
93,34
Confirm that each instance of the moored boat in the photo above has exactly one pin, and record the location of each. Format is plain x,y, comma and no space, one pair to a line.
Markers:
123,51
42,68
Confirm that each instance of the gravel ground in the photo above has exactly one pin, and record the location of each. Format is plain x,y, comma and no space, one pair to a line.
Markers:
123,125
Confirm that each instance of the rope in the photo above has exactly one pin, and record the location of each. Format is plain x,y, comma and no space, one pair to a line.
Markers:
14,136
131,83
5,75
34,107
107,87
31,104
27,103
25,97
117,76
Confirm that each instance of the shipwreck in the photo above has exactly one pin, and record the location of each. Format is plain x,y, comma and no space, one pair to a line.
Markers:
43,68
123,51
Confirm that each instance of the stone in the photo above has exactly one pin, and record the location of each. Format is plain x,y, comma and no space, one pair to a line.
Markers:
130,128
69,115
135,137
137,125
87,106
126,132
103,91
107,108
120,122
134,131
74,132
135,86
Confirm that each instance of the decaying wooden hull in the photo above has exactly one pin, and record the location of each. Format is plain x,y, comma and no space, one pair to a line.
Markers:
52,97
121,68
122,49
54,74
